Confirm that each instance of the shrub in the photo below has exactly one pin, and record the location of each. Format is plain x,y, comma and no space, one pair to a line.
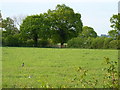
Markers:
97,43
12,40
29,43
111,75
76,43
43,43
114,44
110,79
107,42
88,42
3,41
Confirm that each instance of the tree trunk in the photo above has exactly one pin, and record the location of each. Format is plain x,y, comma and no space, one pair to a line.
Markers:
62,45
35,40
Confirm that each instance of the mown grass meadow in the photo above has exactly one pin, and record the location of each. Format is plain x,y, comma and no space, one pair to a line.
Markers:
52,67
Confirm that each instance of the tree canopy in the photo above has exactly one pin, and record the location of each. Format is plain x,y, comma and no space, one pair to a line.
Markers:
65,23
88,32
9,26
113,34
115,24
60,25
34,27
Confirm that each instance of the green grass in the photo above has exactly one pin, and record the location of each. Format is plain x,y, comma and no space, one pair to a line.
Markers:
51,66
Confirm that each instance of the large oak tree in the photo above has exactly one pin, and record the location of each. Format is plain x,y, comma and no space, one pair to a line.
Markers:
64,23
34,27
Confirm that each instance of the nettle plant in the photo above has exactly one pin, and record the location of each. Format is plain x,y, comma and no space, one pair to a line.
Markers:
111,75
85,82
81,79
110,79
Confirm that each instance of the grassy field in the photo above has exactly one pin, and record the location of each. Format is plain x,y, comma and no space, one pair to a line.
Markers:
51,67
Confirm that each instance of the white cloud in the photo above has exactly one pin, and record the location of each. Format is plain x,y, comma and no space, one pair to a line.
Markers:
59,1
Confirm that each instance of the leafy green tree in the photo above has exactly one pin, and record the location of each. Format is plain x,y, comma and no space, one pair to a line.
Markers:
1,28
88,32
115,22
113,34
9,26
1,19
65,23
18,20
9,32
34,27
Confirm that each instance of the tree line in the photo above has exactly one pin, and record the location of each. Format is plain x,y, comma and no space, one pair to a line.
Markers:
61,25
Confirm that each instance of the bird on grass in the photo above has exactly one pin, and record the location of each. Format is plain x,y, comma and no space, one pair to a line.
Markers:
22,64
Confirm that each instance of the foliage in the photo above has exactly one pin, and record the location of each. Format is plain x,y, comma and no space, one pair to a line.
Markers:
115,44
111,76
65,23
88,32
107,42
12,40
29,43
113,34
34,27
76,43
95,43
81,78
60,25
10,33
44,43
98,43
115,22
1,19
88,42
9,26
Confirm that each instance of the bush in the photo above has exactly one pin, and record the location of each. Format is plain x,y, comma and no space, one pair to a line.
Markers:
3,41
107,42
97,43
111,78
12,40
43,43
88,42
94,43
76,43
115,44
29,43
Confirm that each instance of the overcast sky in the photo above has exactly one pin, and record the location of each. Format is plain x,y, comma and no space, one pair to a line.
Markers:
95,13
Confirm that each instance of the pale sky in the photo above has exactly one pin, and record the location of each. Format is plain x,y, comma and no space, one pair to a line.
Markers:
95,13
